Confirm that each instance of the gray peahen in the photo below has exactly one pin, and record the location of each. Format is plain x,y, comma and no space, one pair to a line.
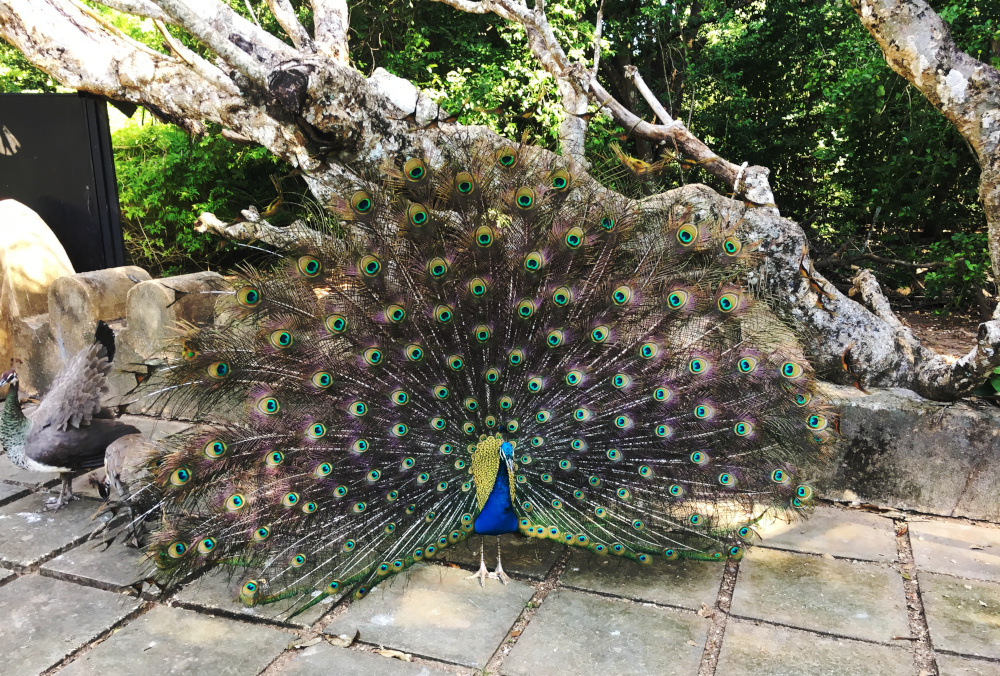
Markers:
494,346
70,429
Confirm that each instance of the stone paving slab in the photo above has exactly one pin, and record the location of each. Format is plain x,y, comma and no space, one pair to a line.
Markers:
521,556
435,611
577,633
860,600
839,532
323,660
956,549
6,575
682,583
760,650
117,566
177,641
219,590
8,472
949,665
11,492
44,620
29,533
963,615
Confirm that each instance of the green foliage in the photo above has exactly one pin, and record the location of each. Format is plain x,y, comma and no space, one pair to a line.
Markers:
18,75
166,178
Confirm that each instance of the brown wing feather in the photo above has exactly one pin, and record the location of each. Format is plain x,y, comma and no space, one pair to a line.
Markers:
75,395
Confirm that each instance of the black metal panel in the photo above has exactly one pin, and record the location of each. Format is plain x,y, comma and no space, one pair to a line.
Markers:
56,157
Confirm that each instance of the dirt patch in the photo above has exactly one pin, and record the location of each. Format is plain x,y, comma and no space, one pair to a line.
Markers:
951,335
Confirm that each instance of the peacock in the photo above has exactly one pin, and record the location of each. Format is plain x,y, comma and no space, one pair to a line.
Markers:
483,343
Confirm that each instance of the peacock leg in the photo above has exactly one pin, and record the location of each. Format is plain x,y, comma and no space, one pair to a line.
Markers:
482,574
65,493
498,574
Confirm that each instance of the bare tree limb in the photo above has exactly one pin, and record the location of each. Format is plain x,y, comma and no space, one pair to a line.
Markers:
575,81
331,20
632,73
598,28
144,8
875,300
289,22
917,44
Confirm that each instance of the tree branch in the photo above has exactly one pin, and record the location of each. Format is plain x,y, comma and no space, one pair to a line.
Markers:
917,44
289,22
331,20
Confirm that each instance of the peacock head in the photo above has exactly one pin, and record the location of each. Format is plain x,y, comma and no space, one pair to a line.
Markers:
8,378
507,453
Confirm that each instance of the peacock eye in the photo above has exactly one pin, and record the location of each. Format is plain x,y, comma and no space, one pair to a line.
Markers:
373,356
248,296
443,313
621,295
361,202
309,266
748,364
524,198
677,299
417,214
482,333
323,469
177,549
281,339
274,458
322,379
687,234
608,222
732,246
414,352
290,499
335,323
219,370
370,266
477,287
261,534
559,179
791,370
516,357
215,449
438,267
555,338
415,169
464,182
562,296
235,502
180,476
268,406
533,262
506,157
574,238
484,236
206,545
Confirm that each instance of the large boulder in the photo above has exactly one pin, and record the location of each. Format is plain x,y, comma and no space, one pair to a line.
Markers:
31,259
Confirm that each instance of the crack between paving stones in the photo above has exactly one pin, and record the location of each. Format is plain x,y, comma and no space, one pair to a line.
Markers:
720,618
923,650
980,658
628,599
542,590
820,632
142,609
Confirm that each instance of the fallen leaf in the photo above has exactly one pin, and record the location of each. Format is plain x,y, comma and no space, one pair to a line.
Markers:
394,653
705,611
692,643
975,546
515,633
299,643
343,641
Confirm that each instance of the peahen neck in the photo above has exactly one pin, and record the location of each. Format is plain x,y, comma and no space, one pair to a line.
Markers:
14,426
497,515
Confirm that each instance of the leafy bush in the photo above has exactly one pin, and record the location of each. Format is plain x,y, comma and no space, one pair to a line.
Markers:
166,178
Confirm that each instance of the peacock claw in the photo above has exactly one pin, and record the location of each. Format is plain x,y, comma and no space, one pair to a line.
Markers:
498,574
55,504
481,574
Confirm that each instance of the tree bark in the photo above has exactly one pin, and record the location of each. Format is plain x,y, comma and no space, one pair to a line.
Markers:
308,107
917,45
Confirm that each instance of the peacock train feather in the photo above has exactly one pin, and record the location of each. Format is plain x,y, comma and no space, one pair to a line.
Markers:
492,346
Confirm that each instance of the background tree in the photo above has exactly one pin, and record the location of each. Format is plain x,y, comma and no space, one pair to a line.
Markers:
791,86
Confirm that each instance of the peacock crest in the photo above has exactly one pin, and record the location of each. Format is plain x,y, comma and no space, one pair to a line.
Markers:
495,321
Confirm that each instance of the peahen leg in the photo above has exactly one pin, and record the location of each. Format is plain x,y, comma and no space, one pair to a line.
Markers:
498,574
482,574
65,493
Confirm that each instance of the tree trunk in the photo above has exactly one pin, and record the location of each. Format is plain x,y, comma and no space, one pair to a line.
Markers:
306,105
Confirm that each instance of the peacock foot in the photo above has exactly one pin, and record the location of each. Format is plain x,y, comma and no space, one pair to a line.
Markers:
481,574
55,504
498,574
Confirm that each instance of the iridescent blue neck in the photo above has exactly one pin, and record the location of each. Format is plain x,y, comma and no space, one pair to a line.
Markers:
497,515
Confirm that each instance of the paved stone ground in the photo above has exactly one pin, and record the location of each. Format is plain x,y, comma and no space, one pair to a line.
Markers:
847,593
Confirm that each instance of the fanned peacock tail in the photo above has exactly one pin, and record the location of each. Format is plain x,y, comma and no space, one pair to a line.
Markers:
354,399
